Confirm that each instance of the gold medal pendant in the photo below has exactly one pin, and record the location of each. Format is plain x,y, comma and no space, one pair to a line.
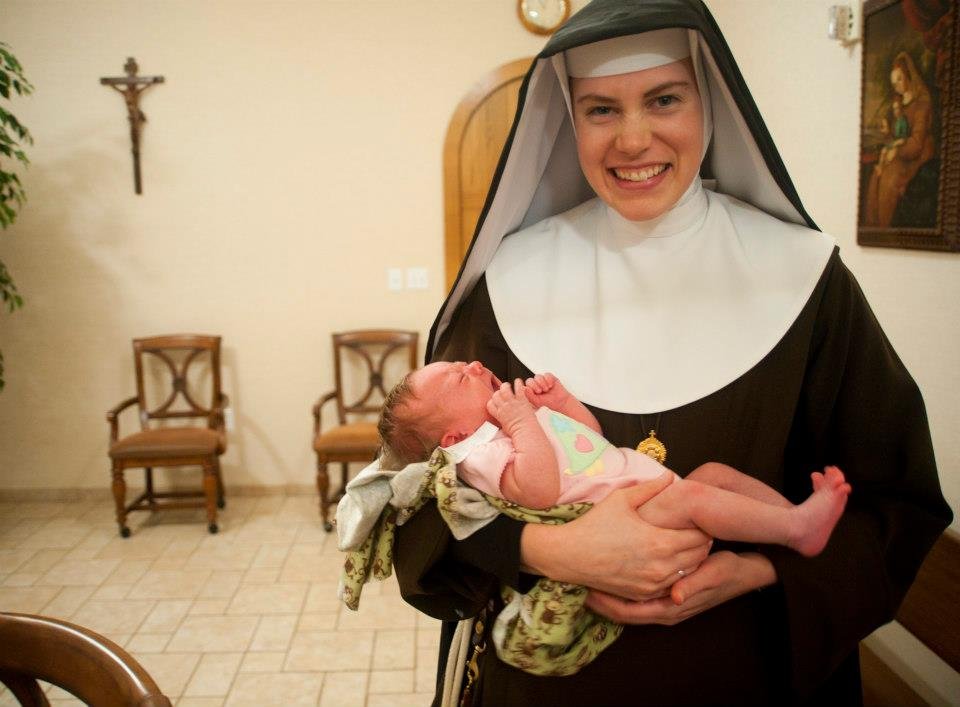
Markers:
653,447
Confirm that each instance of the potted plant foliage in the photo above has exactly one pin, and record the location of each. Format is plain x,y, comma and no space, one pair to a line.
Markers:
12,135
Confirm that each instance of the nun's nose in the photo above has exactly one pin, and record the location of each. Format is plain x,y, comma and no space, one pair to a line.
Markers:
635,135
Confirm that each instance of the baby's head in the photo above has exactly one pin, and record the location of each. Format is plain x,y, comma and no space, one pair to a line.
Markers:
434,406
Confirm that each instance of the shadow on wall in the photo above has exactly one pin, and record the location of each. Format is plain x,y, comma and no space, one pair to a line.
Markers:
246,428
62,351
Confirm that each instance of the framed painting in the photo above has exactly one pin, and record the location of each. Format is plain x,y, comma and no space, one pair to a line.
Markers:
910,125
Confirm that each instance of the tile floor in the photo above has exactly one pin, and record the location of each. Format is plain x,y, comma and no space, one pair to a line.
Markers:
245,617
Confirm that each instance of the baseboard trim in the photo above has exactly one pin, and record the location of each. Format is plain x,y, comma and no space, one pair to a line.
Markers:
104,494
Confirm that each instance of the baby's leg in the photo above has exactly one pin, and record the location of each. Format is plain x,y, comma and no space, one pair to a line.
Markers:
732,516
726,477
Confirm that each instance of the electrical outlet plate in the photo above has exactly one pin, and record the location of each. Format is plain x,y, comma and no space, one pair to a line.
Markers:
843,22
394,279
417,279
855,22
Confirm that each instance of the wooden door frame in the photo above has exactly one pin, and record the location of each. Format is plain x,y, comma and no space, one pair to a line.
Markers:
452,211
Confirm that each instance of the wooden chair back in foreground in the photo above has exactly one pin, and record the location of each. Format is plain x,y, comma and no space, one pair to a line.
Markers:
85,664
355,438
178,380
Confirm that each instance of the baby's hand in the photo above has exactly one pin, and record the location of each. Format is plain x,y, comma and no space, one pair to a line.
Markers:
509,405
544,389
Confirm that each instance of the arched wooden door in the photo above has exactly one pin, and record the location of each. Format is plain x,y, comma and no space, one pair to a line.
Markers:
475,137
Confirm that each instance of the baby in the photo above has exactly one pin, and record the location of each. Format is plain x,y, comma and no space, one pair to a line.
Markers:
542,447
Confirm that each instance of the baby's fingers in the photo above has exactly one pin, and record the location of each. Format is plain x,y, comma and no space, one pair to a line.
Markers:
501,395
541,382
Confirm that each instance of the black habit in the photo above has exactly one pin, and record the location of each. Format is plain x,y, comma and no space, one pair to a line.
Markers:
832,391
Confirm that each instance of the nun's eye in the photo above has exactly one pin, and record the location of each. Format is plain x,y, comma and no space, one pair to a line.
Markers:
600,110
665,101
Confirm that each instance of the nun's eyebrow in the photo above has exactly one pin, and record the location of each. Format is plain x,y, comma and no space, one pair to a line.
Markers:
666,86
656,90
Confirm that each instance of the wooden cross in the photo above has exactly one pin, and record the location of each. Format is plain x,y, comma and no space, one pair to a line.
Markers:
130,87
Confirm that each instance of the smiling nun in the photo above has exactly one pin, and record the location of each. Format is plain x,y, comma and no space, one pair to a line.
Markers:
643,241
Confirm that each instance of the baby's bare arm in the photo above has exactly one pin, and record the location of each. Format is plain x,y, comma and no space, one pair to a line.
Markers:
532,478
545,389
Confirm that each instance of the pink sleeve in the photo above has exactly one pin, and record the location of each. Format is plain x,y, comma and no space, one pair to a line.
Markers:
484,465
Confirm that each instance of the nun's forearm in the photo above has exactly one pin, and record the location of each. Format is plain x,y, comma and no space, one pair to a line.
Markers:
612,549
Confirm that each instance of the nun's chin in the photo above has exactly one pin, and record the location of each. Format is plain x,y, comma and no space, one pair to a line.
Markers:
644,200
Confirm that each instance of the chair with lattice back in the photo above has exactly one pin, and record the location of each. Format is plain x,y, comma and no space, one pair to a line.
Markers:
192,395
367,355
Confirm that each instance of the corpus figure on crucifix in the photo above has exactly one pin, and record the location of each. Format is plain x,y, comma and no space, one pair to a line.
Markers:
130,87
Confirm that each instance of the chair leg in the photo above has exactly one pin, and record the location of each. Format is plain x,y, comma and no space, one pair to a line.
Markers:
210,495
148,480
120,498
221,500
344,472
323,486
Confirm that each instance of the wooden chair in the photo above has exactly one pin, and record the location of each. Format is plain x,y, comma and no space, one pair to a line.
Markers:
172,446
356,441
85,664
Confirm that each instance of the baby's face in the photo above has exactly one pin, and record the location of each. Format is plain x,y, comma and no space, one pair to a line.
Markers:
454,396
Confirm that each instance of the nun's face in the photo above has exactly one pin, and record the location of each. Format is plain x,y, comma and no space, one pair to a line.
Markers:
639,137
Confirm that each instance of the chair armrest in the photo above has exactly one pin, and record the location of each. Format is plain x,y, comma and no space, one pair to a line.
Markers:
113,415
316,410
215,420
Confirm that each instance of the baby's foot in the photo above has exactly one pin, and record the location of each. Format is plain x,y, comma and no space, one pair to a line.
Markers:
818,515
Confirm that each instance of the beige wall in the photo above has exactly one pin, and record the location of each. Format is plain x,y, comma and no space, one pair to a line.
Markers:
292,156
807,87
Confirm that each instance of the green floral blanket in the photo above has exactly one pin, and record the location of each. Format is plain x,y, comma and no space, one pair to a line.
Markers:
547,631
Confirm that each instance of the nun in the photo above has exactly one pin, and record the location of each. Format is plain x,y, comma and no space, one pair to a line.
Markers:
643,241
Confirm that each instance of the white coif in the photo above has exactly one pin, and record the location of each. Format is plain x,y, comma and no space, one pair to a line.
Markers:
686,304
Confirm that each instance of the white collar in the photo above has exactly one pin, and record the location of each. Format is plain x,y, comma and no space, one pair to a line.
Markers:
640,317
459,451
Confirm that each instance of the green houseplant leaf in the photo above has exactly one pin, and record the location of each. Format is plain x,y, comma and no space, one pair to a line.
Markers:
13,134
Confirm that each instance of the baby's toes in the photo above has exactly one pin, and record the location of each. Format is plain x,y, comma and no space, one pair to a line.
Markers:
818,480
834,476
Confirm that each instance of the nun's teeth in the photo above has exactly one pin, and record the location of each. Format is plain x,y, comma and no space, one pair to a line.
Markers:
639,175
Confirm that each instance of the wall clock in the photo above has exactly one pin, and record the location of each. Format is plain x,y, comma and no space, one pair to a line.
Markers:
543,16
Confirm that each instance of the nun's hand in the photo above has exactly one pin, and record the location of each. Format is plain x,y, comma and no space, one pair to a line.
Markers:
612,549
722,576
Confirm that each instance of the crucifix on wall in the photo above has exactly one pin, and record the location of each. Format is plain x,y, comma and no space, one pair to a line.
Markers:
130,87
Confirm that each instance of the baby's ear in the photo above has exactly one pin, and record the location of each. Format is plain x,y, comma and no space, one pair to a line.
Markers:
451,438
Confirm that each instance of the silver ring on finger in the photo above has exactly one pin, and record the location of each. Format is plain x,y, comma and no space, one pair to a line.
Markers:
681,573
